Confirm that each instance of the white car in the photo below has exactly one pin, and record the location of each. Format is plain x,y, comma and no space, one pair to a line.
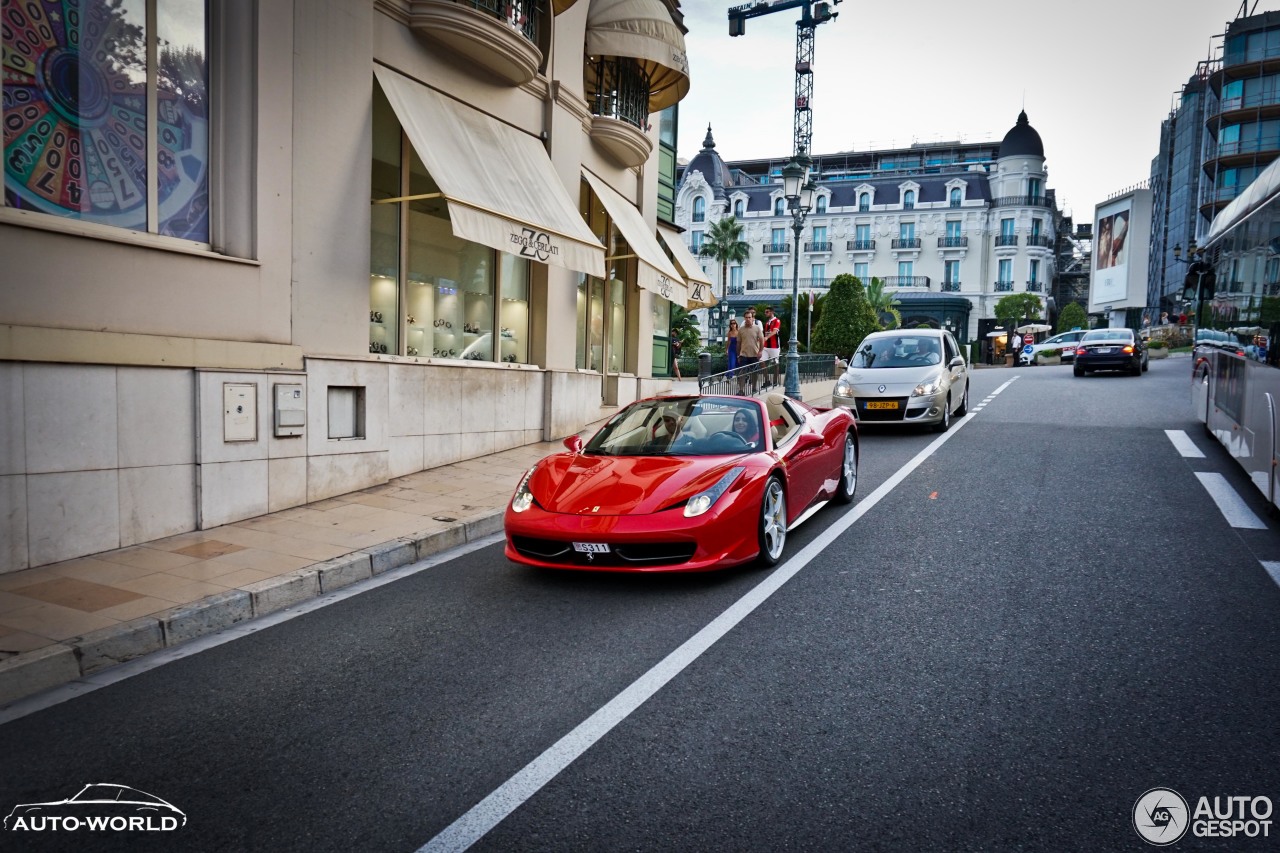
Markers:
916,376
1066,342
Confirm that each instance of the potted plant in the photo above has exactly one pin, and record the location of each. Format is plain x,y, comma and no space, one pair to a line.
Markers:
1049,356
1157,348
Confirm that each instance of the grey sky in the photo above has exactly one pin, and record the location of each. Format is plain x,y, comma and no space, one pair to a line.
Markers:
1097,76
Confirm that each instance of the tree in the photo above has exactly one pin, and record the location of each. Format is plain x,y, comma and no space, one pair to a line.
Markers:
846,319
806,323
1072,316
1014,308
685,328
884,302
723,241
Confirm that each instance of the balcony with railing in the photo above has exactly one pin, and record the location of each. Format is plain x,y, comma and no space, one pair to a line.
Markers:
499,36
1042,241
1003,240
918,281
1266,102
1241,152
776,249
818,246
1035,287
618,96
1004,287
1021,201
906,242
860,246
774,285
953,242
951,287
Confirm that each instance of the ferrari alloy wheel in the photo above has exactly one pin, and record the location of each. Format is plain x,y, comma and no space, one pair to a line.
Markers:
773,523
848,471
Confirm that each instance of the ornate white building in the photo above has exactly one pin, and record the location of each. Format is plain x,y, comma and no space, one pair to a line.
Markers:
949,227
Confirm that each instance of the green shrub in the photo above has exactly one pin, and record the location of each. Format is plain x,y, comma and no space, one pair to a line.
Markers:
1048,353
1157,343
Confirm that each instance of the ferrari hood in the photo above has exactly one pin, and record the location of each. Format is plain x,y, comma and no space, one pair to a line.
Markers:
622,485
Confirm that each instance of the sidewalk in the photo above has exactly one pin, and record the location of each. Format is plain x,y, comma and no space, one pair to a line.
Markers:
70,619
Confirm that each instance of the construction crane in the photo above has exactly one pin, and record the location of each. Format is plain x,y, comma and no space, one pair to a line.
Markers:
813,12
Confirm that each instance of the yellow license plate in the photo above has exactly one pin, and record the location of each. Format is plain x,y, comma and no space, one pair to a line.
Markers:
883,404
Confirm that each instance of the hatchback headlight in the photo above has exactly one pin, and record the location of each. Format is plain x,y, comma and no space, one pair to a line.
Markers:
703,501
523,498
927,389
843,389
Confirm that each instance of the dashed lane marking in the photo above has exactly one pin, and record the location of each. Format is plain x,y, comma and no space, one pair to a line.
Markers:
1183,443
1230,504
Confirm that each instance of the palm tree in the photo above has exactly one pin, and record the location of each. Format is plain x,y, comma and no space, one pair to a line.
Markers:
882,301
723,241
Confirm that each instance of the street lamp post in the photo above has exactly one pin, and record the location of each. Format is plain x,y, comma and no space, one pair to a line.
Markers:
1201,269
798,190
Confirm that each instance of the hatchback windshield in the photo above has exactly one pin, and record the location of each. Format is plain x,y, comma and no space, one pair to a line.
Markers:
681,426
898,351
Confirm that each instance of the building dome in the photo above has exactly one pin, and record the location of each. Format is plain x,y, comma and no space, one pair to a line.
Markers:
712,167
1022,140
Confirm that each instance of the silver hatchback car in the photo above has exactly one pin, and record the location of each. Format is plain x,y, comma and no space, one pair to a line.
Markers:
916,376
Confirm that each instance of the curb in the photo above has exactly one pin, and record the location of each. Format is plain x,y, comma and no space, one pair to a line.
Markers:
29,673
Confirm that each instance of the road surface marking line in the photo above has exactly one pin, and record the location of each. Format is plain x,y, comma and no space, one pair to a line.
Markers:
1273,569
1183,444
1230,504
510,795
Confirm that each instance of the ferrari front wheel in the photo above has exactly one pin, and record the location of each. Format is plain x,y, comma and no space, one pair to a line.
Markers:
848,471
773,523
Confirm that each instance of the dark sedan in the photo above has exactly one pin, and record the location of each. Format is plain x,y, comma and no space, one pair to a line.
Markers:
1111,349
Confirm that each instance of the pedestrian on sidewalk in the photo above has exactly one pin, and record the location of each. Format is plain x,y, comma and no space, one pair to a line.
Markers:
675,356
731,349
750,345
772,346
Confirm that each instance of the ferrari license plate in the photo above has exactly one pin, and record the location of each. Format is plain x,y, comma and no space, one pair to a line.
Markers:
882,404
591,547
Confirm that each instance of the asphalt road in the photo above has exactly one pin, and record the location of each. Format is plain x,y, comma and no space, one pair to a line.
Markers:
1043,620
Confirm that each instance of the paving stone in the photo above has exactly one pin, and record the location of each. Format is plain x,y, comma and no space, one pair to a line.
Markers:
31,672
206,616
119,643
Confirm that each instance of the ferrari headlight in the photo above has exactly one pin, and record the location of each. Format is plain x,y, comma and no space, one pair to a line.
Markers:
843,389
523,498
927,389
703,501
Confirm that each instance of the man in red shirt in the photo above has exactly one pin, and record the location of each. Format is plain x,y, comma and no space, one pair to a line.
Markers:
772,333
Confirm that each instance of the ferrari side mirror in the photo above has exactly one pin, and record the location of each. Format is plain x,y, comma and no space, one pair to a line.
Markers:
574,444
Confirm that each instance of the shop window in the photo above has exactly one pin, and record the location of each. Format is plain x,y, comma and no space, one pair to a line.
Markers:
431,294
602,304
93,132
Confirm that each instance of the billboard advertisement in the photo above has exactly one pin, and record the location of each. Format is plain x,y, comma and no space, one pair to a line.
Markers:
1111,251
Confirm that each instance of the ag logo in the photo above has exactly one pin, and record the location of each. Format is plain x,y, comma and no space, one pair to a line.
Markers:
535,244
1160,816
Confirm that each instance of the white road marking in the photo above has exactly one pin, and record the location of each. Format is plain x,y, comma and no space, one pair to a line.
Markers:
1230,504
1273,569
1183,444
808,514
89,683
493,809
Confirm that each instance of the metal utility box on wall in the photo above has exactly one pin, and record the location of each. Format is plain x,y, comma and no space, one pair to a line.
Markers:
290,409
239,412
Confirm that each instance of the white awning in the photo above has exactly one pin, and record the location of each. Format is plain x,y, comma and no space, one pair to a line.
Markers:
655,272
700,295
498,182
642,30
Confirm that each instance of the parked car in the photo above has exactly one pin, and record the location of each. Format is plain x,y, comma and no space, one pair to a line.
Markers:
918,376
1067,342
683,483
1111,349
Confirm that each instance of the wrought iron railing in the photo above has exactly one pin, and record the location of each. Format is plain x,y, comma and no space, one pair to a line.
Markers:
906,242
521,15
775,284
818,246
1042,240
1035,286
751,379
1004,287
951,287
621,91
1006,239
906,281
860,246
776,248
952,242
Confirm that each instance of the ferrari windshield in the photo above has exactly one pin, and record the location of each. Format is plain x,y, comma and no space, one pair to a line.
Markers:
898,351
682,426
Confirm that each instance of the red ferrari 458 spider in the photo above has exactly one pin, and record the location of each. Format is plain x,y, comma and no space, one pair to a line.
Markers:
684,484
